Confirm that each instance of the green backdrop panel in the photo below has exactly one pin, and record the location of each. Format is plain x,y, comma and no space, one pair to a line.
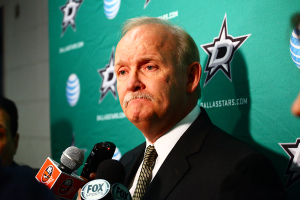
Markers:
248,95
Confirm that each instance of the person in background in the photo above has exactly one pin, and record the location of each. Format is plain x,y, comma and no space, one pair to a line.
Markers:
16,182
9,138
19,182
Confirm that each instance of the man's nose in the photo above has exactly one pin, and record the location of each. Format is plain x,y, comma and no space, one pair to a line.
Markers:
134,83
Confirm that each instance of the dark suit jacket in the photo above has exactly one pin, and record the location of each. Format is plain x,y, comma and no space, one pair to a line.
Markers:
207,163
19,182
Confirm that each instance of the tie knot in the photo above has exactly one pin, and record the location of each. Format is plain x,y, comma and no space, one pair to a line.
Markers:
150,155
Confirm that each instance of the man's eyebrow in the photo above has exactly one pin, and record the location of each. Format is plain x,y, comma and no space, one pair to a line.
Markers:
139,60
120,62
147,59
143,59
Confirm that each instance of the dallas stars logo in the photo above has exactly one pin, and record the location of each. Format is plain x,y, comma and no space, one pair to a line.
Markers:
146,3
69,10
220,52
109,79
293,169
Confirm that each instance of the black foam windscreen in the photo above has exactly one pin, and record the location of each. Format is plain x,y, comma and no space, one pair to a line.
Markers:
111,170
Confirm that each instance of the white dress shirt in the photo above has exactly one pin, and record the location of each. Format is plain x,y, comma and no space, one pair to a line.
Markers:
165,143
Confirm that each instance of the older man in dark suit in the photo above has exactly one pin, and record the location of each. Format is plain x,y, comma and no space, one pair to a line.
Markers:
185,156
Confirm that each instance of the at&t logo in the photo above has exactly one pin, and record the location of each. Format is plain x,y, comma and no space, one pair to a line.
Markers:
111,8
73,90
295,46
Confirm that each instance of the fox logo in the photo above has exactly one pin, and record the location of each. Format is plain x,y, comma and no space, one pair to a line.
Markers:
47,174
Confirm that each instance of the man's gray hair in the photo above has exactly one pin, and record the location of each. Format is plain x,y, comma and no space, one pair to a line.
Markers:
187,51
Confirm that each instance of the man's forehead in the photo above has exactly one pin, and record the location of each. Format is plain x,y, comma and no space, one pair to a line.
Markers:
149,41
158,32
146,37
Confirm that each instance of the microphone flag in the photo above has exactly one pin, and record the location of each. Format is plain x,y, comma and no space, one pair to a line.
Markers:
62,184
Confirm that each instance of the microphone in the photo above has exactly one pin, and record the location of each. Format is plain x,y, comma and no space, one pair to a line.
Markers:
101,151
71,159
108,184
111,170
60,177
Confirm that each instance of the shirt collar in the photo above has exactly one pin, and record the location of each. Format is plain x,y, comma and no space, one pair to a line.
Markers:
165,143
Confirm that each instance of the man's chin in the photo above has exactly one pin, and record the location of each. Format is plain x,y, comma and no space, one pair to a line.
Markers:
137,116
133,118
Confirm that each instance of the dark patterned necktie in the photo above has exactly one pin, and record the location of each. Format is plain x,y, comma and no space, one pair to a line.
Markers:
146,173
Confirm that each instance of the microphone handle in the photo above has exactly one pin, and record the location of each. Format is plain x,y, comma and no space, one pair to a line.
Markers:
64,169
101,151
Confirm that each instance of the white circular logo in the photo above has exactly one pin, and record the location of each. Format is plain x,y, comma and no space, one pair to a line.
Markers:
295,46
95,189
111,8
73,89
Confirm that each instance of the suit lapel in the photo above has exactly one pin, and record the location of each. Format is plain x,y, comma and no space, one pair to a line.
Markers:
133,163
176,164
170,173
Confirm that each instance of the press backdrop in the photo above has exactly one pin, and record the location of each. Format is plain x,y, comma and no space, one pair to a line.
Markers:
249,78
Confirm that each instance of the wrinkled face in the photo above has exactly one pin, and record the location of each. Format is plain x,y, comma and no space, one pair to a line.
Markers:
150,85
8,144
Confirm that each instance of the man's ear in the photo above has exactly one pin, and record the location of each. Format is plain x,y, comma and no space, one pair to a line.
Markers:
193,76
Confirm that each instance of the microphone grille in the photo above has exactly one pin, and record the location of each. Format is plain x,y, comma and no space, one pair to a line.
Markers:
72,158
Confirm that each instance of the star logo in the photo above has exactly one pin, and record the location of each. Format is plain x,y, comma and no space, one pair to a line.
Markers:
109,78
69,11
220,52
146,3
293,168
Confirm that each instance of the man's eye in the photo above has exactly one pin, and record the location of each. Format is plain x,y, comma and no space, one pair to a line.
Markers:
122,72
150,67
